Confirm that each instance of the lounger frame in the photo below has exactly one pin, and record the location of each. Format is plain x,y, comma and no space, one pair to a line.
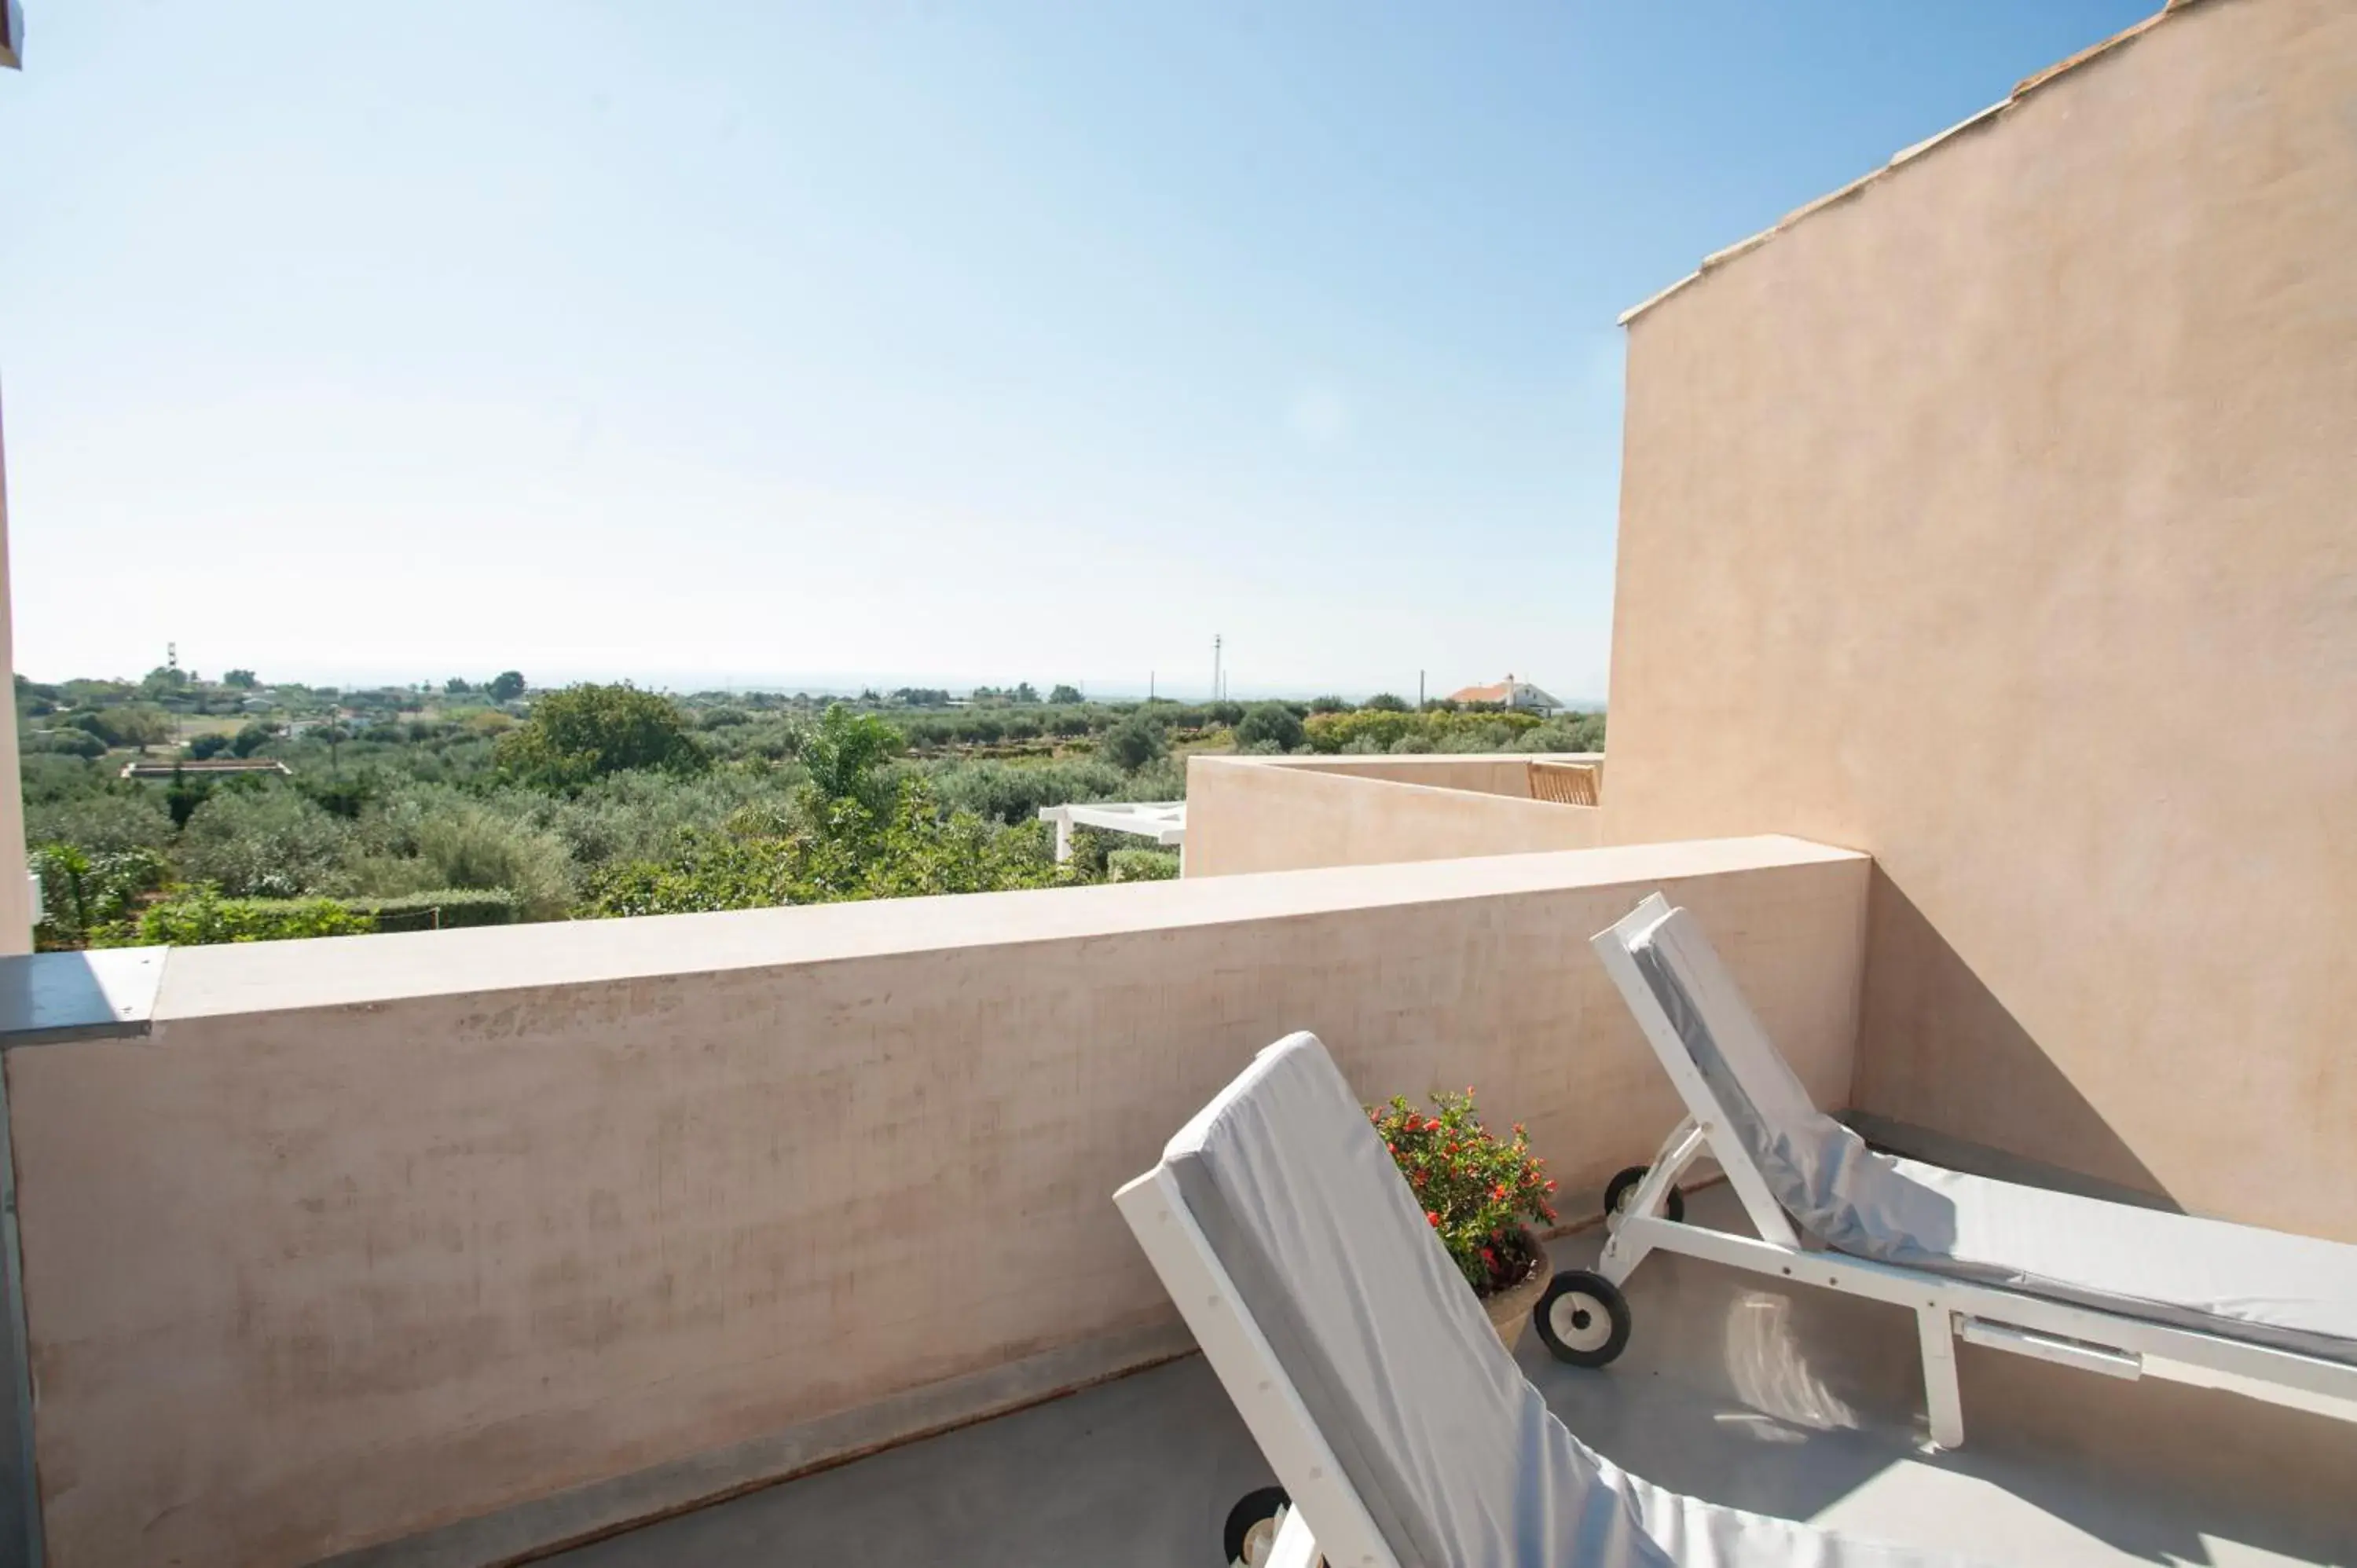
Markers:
1945,1308
1263,1395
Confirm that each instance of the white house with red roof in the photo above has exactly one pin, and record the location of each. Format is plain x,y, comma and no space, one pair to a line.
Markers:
1520,695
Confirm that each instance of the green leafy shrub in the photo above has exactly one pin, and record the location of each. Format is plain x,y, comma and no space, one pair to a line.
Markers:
641,816
842,752
252,737
1476,1189
825,849
264,843
1141,865
183,795
434,840
1161,780
206,916
923,853
348,796
1012,792
1493,735
84,895
1269,723
1566,732
1381,729
124,816
63,743
476,848
1135,742
139,724
586,731
441,909
1436,730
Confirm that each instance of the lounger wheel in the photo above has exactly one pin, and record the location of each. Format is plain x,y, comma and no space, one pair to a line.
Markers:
1583,1317
1251,1531
1623,1187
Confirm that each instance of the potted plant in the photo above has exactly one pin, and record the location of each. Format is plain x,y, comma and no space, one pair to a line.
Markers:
1476,1189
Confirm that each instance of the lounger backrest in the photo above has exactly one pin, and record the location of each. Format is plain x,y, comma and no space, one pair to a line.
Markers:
1820,1171
1564,783
1455,1456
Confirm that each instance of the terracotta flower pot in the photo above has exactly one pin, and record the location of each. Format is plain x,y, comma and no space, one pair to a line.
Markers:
1510,1309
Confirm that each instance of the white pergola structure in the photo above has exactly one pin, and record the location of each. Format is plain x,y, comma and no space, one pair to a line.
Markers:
1164,821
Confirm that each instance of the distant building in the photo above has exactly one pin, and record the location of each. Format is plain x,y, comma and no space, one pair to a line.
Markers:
1520,695
209,767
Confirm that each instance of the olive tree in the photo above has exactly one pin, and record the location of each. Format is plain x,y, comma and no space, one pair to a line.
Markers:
586,731
1135,742
1269,723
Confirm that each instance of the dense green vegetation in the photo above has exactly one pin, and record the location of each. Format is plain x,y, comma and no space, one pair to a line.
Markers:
469,803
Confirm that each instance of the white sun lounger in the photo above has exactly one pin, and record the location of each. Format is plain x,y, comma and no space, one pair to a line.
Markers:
2074,1280
1405,1434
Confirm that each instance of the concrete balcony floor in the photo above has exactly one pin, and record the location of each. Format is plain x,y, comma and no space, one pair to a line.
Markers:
1784,1401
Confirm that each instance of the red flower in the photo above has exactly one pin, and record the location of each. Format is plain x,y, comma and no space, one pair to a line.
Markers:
1434,1216
1489,1257
1498,1191
1550,1186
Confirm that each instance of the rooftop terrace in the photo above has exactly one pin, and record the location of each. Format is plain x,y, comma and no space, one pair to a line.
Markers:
1950,521
1795,1402
465,1247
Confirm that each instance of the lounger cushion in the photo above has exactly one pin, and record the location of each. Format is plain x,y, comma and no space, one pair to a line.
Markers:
2292,1293
1457,1457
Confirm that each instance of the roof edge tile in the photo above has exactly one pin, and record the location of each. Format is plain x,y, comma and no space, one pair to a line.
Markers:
1971,121
1648,303
2092,52
1905,156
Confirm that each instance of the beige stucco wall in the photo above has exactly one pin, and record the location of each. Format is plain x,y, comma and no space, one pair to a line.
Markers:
1996,520
16,892
375,1232
1249,814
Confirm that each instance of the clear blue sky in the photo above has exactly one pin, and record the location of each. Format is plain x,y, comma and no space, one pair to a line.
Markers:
976,341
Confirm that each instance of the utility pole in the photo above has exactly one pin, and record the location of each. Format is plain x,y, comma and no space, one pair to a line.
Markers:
1419,690
1149,685
1217,692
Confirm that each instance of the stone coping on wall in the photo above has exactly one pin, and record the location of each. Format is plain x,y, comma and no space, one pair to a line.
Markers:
363,970
1438,761
104,994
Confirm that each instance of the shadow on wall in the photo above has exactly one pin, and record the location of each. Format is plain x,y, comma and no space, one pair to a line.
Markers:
1938,1050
